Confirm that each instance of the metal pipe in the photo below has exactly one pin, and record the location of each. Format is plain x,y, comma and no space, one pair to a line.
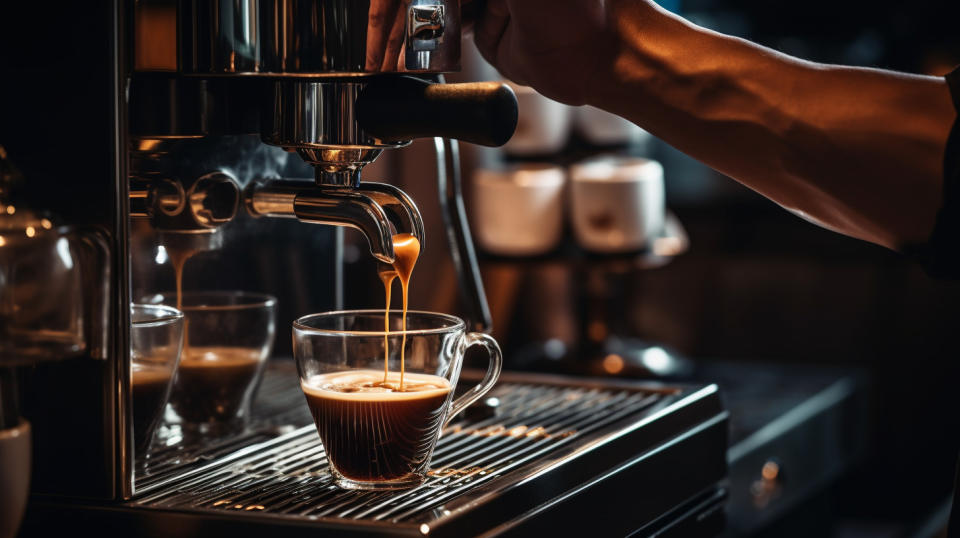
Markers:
351,208
458,235
377,210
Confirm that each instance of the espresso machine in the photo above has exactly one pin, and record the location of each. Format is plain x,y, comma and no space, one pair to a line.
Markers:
225,113
230,128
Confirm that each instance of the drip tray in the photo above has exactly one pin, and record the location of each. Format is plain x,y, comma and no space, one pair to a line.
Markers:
558,453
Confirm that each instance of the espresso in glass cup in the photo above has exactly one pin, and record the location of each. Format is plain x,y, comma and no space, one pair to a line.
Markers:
156,341
228,337
378,419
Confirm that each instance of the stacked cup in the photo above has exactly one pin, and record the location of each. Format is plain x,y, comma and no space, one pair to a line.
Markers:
616,204
519,208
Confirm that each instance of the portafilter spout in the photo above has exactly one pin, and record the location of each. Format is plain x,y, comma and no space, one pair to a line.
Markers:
378,210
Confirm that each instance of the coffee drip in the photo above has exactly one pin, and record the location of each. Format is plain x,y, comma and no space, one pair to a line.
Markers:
178,258
406,250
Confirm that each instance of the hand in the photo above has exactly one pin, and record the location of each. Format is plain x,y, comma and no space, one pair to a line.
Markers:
559,47
385,33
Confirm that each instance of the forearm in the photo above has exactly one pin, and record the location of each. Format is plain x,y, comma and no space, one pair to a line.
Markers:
858,150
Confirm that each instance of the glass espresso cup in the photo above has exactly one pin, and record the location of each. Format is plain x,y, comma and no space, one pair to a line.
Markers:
378,430
156,340
228,338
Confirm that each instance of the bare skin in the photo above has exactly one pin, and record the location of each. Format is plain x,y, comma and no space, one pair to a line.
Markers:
859,151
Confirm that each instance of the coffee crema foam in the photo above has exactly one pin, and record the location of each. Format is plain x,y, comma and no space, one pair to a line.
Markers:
369,385
219,356
148,373
214,381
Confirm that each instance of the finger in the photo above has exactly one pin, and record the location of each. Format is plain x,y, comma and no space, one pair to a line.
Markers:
380,21
391,56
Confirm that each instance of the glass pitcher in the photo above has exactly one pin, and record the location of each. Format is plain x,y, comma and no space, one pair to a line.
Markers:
54,285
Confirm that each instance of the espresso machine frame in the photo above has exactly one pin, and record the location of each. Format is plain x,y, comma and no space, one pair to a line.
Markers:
110,107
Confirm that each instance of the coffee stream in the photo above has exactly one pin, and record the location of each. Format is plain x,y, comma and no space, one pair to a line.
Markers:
406,250
387,274
178,258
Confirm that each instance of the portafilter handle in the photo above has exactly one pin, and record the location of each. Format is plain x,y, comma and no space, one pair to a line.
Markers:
399,108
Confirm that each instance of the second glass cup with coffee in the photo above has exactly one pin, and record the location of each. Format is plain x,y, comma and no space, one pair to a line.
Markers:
156,340
228,336
380,398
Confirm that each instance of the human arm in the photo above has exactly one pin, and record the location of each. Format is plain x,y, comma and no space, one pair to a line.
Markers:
859,151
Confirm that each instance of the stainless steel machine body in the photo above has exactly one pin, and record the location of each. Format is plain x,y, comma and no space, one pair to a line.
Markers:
179,125
548,454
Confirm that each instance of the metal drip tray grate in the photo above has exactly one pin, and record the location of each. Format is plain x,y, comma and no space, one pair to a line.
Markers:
537,427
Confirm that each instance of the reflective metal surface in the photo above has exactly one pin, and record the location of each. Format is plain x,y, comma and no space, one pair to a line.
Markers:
488,471
220,37
314,38
318,120
176,98
78,395
168,105
378,210
202,205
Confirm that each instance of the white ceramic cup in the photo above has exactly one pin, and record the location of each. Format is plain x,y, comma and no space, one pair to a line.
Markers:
543,125
518,210
14,477
617,203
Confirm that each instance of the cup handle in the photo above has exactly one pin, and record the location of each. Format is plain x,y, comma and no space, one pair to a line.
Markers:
493,373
